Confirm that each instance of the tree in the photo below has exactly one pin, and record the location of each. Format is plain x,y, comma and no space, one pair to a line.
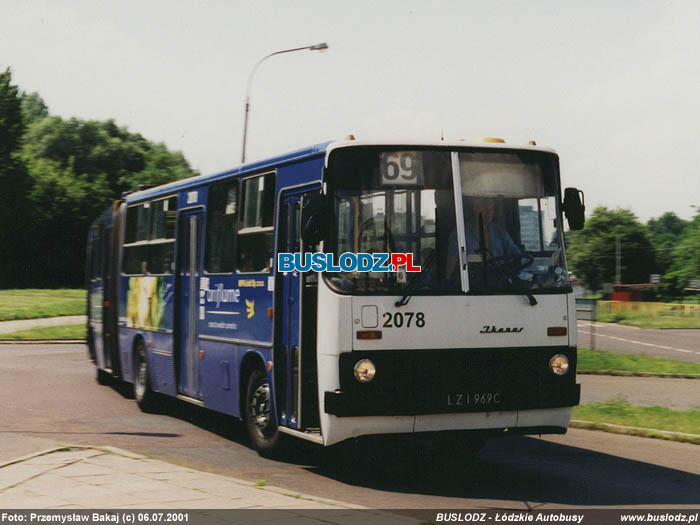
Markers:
685,256
14,181
665,232
592,250
78,168
11,124
57,176
33,108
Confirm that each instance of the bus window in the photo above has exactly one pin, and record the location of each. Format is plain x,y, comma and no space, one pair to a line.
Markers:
345,222
162,246
511,227
222,223
255,237
163,218
394,201
138,219
258,201
150,237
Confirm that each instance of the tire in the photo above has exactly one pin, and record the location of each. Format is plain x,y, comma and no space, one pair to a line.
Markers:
103,378
259,420
145,397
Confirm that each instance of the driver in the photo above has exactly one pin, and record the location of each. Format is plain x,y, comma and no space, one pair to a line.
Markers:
497,241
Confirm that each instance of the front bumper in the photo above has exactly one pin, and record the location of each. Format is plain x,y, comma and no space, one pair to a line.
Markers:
421,382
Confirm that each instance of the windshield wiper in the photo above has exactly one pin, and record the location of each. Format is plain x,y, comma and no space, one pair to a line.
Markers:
487,255
407,296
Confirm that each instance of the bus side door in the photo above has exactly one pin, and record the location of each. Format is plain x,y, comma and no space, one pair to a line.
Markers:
189,244
288,381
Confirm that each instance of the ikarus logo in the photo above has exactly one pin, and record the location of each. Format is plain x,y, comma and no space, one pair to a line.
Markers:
501,330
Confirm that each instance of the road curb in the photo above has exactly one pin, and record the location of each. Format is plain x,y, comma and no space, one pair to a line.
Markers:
627,373
668,435
34,455
64,448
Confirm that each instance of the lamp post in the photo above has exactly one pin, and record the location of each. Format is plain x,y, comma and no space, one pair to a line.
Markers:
316,47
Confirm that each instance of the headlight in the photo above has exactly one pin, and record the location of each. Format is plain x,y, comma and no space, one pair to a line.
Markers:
559,365
365,370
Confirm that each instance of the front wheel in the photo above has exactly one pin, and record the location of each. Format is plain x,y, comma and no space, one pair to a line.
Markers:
145,397
259,419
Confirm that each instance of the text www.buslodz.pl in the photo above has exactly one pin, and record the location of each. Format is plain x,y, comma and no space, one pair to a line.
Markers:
347,262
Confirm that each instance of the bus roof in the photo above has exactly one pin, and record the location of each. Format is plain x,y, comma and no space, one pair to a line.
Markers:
178,185
451,145
324,148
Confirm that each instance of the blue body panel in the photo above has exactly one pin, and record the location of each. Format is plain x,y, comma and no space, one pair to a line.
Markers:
234,312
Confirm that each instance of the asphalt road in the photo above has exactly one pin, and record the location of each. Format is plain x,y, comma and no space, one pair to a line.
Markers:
48,395
676,344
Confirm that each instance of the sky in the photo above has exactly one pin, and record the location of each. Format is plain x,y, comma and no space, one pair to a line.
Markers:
612,86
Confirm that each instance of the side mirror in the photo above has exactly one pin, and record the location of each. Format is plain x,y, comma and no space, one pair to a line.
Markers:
574,208
314,219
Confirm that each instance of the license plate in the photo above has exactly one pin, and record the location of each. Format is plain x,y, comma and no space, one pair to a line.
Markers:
474,399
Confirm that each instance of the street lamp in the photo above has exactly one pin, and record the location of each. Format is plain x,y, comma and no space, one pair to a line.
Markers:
317,47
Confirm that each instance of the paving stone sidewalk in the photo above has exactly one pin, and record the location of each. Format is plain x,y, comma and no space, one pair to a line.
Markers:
7,327
109,478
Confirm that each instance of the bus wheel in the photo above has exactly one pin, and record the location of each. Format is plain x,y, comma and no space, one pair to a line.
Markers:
103,378
259,419
145,397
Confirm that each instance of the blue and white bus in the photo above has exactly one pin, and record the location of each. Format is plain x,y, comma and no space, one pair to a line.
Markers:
185,300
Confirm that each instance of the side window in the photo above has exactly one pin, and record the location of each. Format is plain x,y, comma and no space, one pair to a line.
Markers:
163,214
255,236
162,246
138,219
149,241
222,226
100,252
345,226
96,253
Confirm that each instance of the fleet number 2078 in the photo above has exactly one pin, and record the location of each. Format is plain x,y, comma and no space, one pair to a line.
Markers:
403,319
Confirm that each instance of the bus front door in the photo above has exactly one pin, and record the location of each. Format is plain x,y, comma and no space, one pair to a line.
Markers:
188,274
288,380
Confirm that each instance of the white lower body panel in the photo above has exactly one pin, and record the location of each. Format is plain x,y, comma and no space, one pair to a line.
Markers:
342,428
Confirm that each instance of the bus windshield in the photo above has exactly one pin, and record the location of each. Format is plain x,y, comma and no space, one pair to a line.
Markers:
513,236
393,201
404,201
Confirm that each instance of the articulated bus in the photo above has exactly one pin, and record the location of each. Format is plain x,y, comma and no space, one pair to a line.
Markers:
185,298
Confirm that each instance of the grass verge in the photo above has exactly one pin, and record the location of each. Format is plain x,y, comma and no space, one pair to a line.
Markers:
651,419
35,304
646,320
630,364
636,431
66,331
